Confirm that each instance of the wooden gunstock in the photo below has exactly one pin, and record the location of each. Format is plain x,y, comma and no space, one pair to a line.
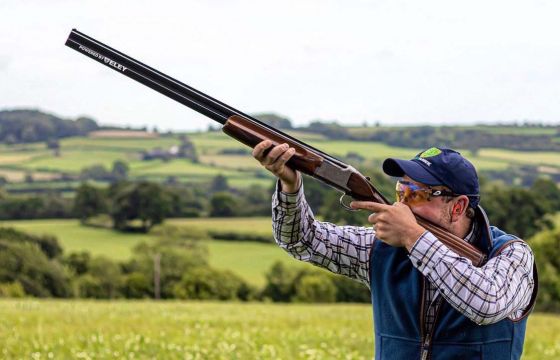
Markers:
251,134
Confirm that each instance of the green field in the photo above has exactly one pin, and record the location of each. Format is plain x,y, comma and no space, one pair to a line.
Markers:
250,260
79,152
62,329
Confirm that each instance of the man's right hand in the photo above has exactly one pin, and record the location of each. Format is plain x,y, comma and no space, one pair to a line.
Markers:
275,162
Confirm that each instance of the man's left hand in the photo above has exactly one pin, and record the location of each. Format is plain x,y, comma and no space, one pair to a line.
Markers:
394,224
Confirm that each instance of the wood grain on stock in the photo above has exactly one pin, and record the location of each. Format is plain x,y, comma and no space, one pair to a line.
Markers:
251,134
455,243
362,189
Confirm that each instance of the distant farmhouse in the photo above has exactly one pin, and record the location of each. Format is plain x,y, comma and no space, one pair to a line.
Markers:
185,150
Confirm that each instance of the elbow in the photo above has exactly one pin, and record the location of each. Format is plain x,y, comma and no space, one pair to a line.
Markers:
493,313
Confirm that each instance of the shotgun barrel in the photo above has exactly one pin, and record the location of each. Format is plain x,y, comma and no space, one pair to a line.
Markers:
167,85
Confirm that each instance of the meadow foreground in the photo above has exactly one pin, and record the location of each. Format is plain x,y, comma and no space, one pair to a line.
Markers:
43,329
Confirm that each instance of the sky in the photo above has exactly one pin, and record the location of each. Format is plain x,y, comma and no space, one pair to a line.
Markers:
388,61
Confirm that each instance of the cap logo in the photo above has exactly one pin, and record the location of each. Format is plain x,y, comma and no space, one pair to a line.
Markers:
424,161
430,152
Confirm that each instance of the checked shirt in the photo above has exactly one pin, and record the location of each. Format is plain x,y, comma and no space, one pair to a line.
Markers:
500,289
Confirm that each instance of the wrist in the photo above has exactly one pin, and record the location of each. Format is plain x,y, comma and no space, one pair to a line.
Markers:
291,187
415,233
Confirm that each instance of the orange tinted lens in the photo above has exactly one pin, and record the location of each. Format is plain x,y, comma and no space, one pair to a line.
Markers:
409,195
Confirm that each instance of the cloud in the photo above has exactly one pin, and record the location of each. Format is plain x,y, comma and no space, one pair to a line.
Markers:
4,62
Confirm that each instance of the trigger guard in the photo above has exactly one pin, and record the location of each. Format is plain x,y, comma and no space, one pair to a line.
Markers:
347,207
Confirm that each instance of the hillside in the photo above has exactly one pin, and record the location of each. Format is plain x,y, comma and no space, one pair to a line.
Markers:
41,152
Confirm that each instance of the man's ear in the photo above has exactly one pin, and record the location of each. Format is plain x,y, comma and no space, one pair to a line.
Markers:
459,207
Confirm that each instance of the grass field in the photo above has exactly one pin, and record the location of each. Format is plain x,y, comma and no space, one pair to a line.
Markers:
62,329
254,225
80,152
250,260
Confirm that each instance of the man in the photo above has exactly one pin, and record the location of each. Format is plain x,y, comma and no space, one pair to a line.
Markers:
428,301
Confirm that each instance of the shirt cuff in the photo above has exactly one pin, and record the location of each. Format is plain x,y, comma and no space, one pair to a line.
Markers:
288,201
427,253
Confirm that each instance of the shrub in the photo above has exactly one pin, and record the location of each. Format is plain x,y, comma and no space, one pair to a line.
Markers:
205,283
102,281
12,290
137,285
546,246
280,283
315,287
25,263
48,244
349,290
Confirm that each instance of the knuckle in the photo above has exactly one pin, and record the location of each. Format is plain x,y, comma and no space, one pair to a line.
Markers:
276,167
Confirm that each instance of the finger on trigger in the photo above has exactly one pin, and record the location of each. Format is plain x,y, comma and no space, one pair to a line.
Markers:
366,205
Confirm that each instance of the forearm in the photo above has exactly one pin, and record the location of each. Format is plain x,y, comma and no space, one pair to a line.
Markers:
485,295
340,249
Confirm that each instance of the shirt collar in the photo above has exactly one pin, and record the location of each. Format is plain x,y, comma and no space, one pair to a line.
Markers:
471,237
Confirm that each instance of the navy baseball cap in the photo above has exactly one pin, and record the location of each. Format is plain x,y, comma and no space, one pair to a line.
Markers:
437,166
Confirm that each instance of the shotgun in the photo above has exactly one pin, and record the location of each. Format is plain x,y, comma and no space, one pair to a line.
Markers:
250,131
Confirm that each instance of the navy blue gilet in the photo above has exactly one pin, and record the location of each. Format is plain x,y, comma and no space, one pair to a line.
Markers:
397,296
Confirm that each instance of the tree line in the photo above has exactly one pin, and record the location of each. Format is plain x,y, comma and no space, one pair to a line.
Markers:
139,205
36,266
176,267
25,126
173,267
422,137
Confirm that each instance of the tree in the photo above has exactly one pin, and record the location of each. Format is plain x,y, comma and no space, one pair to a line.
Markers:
95,172
144,201
137,285
187,149
315,287
515,210
86,125
223,204
30,126
24,262
276,121
350,290
54,145
47,244
548,192
102,281
89,201
205,283
546,247
280,282
254,201
78,262
219,183
178,255
120,170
